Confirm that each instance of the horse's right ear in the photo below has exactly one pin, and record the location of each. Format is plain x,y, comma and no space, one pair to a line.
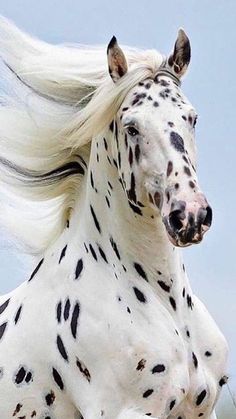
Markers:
117,63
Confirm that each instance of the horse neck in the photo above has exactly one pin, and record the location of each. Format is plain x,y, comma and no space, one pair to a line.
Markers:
132,244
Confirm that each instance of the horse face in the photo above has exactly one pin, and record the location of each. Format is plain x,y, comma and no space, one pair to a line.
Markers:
157,155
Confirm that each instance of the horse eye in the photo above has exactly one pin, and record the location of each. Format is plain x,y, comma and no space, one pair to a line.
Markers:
132,131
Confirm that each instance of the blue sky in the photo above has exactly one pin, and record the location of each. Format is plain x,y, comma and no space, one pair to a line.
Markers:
210,86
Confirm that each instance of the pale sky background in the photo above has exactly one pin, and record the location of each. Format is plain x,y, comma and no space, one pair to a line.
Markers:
210,85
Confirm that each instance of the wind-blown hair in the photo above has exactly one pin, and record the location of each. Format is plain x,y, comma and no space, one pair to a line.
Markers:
60,97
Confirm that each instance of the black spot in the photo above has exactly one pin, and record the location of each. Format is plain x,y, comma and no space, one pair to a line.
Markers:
108,202
149,97
105,143
83,370
164,286
59,312
17,409
79,268
158,368
119,159
49,398
93,252
2,329
187,171
173,303
102,254
141,364
137,153
183,292
155,104
128,310
110,185
191,184
4,306
95,219
18,313
91,180
130,156
57,378
147,85
67,309
223,380
189,301
201,397
147,393
74,320
187,333
135,209
140,296
169,168
208,353
172,404
195,361
131,192
36,269
163,83
28,377
140,270
177,141
61,348
63,252
20,375
114,247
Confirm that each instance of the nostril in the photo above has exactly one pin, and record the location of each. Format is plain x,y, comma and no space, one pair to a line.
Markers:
204,217
175,220
208,218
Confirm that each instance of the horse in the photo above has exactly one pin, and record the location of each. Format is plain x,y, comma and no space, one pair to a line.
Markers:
98,181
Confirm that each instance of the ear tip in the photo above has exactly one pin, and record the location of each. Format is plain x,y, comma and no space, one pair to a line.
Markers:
182,34
112,42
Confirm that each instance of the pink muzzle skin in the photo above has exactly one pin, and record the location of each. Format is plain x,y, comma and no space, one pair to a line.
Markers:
187,222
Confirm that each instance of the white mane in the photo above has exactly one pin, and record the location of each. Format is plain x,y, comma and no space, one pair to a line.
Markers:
60,97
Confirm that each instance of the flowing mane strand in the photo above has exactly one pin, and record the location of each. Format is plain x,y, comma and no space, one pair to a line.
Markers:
53,101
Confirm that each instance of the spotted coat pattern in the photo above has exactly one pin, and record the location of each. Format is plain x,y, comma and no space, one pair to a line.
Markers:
107,324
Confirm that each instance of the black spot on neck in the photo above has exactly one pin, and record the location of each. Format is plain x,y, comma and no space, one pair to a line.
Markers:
36,270
95,219
114,247
57,379
61,348
79,268
158,368
74,320
201,397
148,393
140,270
140,296
4,306
195,361
164,286
93,252
63,253
18,313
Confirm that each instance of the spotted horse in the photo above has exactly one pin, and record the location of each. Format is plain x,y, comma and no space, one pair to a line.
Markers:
99,164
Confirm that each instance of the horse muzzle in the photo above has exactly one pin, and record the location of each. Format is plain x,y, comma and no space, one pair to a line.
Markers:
187,223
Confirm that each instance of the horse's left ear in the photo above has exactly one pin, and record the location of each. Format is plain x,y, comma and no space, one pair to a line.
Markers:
117,63
180,58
